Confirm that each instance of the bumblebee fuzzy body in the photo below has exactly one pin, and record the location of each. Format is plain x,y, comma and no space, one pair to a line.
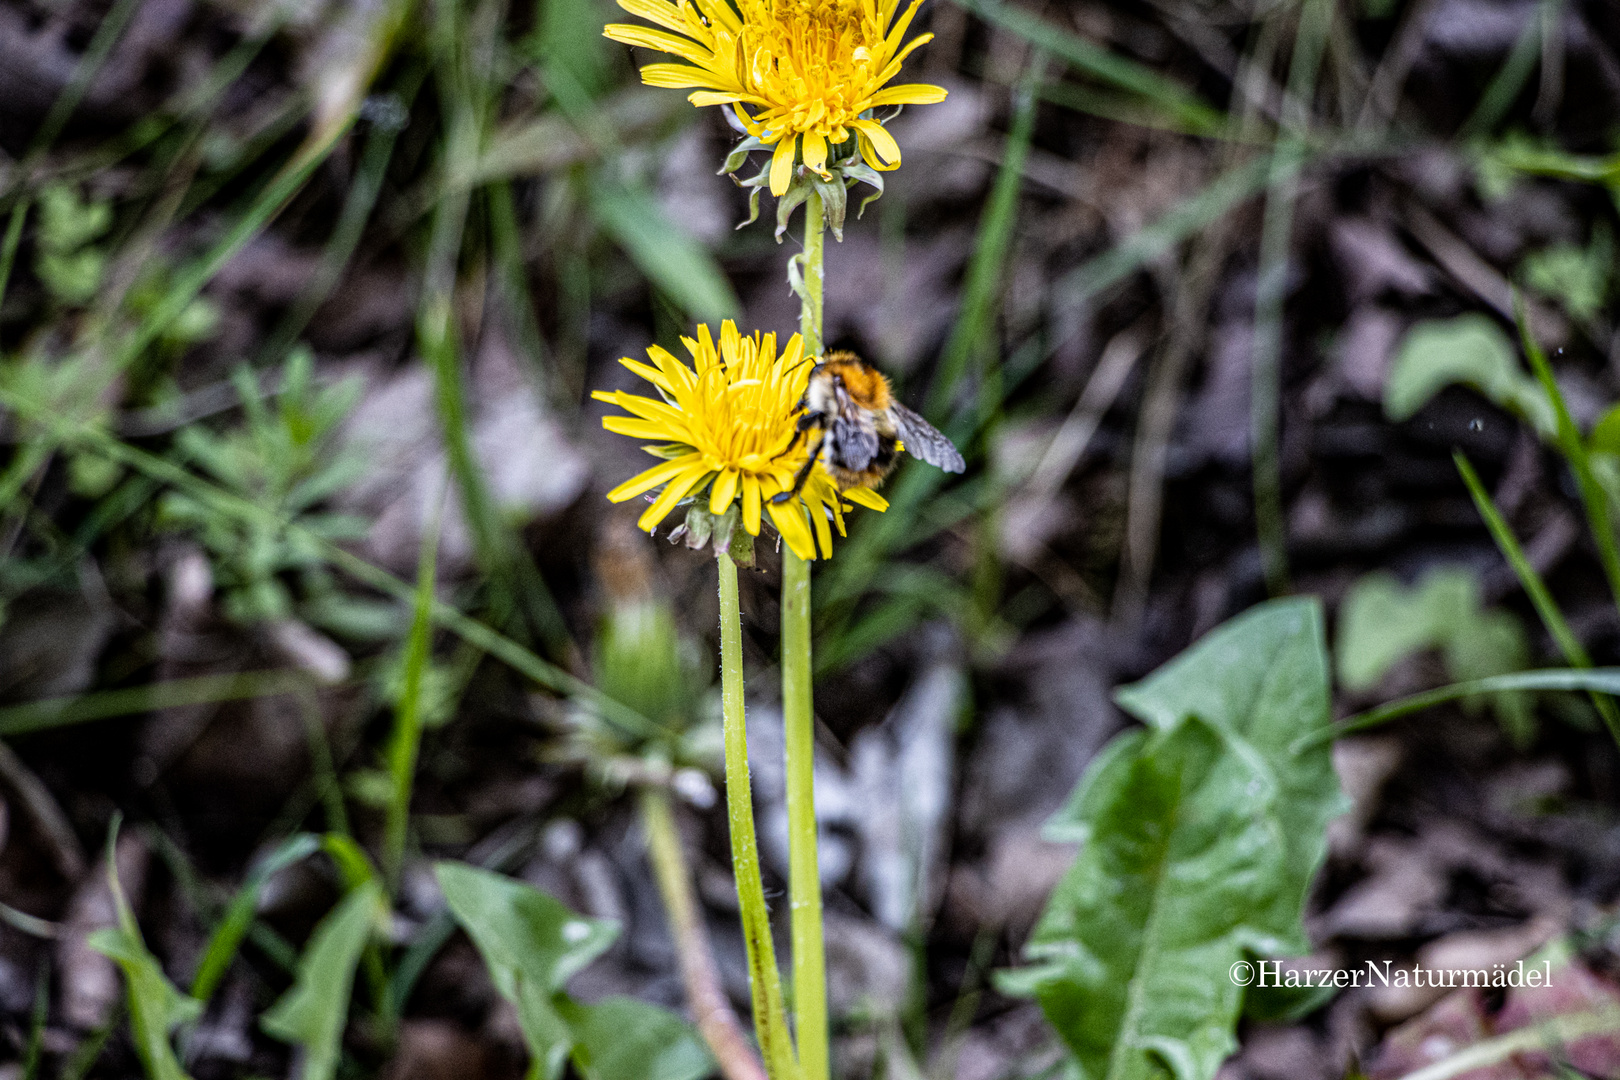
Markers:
859,428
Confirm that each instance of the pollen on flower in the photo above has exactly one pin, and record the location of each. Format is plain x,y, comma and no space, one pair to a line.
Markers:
727,426
803,76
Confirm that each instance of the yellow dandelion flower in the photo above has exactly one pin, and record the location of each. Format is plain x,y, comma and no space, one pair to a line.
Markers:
797,73
728,423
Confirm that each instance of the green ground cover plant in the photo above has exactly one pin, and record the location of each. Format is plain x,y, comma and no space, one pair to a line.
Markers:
1201,829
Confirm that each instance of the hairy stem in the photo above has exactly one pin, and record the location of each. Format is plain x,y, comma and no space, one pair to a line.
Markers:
804,871
770,1020
710,1009
814,262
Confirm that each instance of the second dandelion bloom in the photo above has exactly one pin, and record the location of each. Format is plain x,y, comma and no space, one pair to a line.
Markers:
726,429
803,76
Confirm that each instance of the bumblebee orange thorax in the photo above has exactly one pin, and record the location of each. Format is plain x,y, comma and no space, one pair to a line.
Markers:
864,384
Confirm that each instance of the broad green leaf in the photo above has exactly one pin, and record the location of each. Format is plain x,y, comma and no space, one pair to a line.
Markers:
156,1008
1262,681
72,277
1130,961
620,1038
1381,622
66,223
315,1011
1471,350
1097,789
531,944
1202,834
1272,1004
1576,277
667,254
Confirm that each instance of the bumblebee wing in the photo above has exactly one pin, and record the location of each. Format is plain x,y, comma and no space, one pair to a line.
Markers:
925,442
854,445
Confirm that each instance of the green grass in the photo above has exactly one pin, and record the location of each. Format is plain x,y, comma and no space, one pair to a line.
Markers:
523,189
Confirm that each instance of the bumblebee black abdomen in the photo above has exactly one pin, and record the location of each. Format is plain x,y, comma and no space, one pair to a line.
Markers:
855,426
862,470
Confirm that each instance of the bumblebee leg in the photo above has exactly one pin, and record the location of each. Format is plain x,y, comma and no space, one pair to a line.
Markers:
799,480
806,422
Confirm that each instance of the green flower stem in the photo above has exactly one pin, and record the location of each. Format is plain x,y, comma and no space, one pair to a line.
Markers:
804,870
710,1009
770,1019
812,265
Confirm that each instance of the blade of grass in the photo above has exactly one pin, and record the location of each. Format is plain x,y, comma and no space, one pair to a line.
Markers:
1596,680
36,1025
1175,101
1593,497
423,948
1549,1035
88,1052
1546,607
1233,187
29,793
226,940
1120,108
95,54
981,294
8,247
322,766
503,648
669,256
50,713
407,736
351,224
1505,87
32,925
1271,292
506,244
465,96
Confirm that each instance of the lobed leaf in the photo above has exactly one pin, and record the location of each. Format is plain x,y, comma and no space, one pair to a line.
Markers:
620,1038
532,945
314,1012
1469,349
1202,834
156,1008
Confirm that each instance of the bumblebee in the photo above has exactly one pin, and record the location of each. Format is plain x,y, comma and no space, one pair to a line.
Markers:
859,428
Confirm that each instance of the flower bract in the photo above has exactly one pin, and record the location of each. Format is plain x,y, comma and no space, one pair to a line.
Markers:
726,427
801,75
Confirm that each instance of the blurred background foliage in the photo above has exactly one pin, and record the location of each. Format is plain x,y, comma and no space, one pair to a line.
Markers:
300,306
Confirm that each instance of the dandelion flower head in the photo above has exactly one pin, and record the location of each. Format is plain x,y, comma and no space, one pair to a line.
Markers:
799,74
728,425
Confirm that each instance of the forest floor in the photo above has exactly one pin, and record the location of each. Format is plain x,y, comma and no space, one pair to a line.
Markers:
1109,312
